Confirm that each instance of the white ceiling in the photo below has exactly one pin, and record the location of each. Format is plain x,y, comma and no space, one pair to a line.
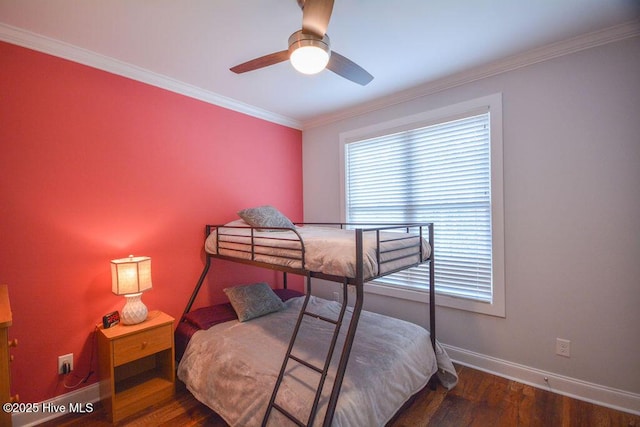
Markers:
405,44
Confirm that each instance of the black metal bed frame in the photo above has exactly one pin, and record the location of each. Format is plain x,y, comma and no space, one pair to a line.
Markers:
357,281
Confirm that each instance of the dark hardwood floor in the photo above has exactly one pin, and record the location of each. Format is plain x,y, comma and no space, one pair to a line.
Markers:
479,399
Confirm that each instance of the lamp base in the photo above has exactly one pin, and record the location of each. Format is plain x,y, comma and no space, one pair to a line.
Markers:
134,310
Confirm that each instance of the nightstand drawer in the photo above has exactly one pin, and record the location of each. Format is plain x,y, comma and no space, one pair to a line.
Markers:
141,344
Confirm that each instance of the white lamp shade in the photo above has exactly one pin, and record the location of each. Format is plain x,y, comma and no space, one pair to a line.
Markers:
130,275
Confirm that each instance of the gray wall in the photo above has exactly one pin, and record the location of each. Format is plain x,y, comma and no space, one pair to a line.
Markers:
572,214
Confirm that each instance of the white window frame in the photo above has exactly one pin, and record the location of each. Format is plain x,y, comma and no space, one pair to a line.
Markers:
493,103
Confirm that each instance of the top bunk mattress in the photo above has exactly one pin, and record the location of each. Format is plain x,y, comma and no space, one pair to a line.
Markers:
322,249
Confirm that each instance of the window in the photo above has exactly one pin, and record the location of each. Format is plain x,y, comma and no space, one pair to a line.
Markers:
443,167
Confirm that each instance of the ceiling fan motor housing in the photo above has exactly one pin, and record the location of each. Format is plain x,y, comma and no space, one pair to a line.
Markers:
300,39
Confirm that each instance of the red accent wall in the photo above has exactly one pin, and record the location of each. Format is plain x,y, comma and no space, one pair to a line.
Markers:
94,166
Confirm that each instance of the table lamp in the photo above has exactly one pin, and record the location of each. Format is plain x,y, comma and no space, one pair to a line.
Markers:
130,277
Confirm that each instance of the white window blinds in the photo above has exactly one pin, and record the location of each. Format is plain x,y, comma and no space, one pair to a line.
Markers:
439,173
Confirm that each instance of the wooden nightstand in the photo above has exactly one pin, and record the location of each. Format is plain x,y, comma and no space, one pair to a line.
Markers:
136,365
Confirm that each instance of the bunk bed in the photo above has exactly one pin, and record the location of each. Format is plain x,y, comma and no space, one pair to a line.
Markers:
348,254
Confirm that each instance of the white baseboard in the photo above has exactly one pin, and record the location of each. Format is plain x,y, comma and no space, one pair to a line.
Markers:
79,401
600,395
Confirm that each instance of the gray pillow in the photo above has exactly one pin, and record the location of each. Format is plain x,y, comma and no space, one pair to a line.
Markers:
265,216
251,301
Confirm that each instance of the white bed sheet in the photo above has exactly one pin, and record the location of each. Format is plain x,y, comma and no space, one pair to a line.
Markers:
327,250
233,366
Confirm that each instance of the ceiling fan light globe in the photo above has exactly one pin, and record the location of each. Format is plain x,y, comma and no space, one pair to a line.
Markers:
309,53
309,59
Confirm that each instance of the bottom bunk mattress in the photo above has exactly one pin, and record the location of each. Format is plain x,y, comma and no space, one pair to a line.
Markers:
232,367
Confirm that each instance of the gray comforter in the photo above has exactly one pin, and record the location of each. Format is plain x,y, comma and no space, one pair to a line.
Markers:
233,366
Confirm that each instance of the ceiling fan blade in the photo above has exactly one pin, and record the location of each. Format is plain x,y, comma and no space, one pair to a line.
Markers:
263,61
315,16
348,69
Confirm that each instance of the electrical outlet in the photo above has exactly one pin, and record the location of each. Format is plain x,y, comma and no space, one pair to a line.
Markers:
563,347
65,364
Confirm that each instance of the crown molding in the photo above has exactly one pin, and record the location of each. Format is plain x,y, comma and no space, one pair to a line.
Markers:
86,57
585,41
74,53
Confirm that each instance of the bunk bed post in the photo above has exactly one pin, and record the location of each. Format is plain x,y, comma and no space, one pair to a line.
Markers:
207,264
432,291
351,332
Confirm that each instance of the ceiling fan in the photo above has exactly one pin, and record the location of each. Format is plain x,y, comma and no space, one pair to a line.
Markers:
310,49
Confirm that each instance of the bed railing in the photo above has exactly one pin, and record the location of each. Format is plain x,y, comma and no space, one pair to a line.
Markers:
255,245
261,244
294,255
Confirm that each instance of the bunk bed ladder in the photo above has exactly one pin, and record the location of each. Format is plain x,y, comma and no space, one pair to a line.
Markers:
322,371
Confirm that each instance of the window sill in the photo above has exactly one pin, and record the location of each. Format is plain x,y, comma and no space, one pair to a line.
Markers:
492,309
